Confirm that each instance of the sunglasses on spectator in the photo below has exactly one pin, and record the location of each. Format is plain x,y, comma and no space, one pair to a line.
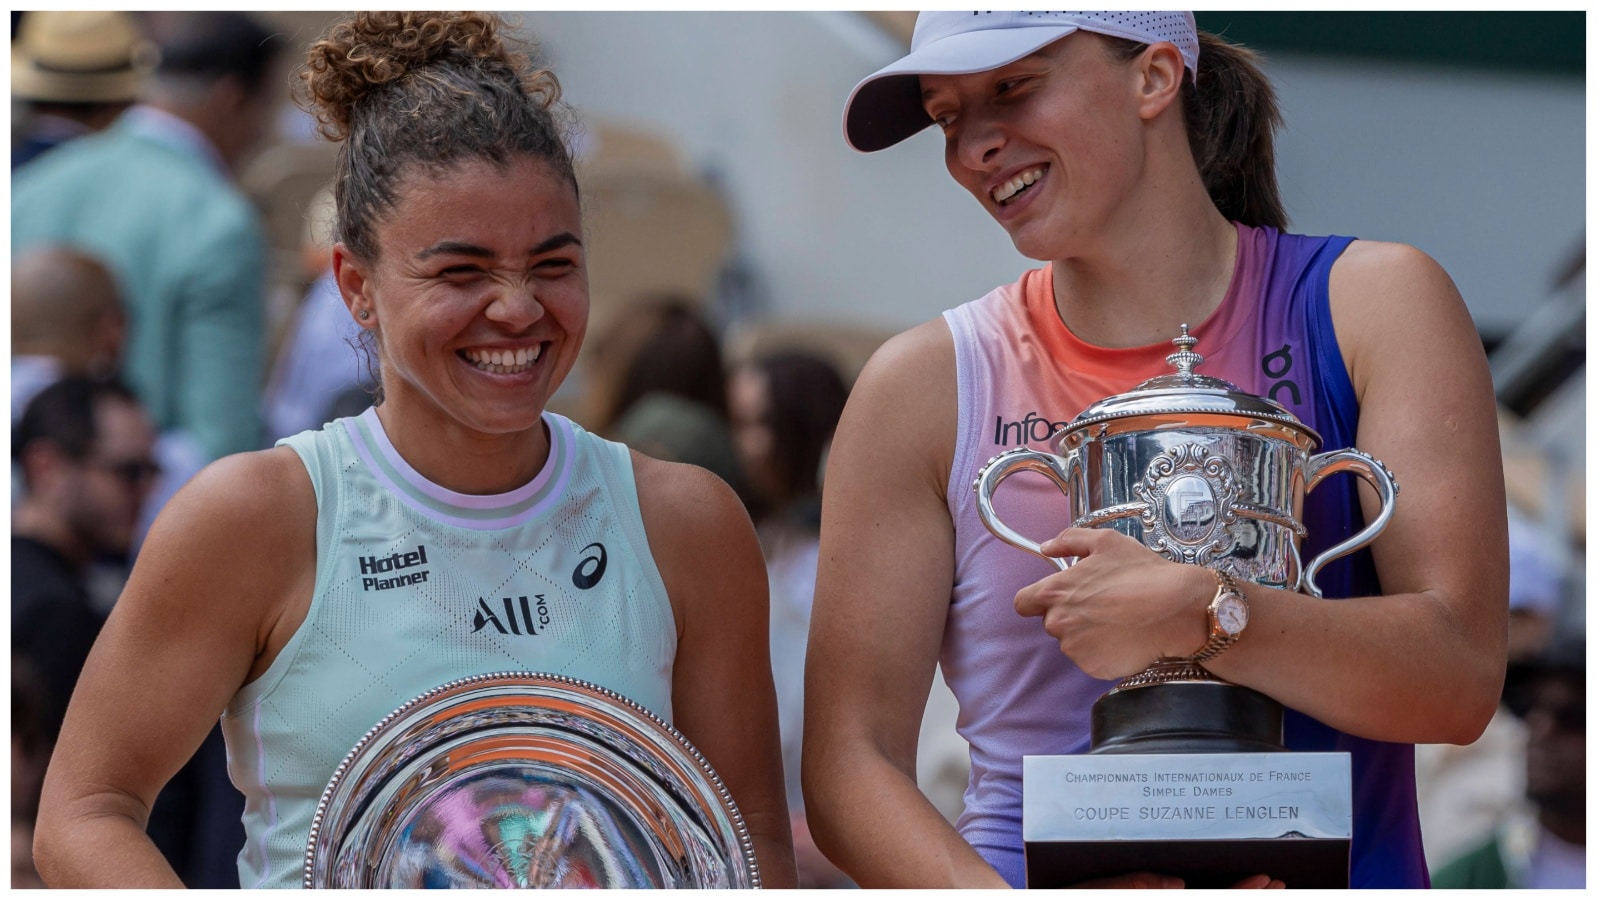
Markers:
132,472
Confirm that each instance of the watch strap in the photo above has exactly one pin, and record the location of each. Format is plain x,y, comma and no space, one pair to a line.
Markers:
1214,647
1219,640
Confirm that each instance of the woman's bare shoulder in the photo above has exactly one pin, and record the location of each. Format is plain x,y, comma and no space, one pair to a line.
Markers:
923,355
700,537
1394,307
1388,274
263,489
677,497
256,512
227,565
902,410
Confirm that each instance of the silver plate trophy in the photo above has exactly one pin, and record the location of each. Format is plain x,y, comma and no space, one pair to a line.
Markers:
526,780
1207,474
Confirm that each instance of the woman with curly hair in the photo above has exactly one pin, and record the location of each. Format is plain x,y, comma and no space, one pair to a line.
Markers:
302,593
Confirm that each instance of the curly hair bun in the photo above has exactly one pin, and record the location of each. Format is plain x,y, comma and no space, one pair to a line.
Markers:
360,55
409,91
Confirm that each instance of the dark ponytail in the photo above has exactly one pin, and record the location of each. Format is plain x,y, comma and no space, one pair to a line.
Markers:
1231,113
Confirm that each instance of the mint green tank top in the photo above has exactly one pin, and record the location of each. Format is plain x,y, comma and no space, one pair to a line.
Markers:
417,586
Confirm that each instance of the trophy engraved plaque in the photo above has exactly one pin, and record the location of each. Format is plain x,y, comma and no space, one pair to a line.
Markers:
1186,773
526,780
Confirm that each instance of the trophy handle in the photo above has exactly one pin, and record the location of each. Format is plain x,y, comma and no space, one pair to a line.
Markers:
998,469
1374,473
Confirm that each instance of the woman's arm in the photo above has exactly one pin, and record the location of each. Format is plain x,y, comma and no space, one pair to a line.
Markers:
883,589
722,696
1421,664
224,562
1427,410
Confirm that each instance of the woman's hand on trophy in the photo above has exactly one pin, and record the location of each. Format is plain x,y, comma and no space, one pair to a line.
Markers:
1121,605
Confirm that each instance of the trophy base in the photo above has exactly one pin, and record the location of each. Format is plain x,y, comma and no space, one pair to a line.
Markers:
1212,819
1297,862
1186,717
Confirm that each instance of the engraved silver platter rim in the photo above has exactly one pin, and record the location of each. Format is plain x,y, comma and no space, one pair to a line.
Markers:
667,757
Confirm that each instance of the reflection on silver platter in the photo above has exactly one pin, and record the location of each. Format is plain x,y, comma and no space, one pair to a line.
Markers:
518,779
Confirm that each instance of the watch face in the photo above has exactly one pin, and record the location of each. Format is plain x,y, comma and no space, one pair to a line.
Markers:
1232,613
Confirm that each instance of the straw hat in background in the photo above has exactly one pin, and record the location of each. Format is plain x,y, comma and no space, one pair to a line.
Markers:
79,57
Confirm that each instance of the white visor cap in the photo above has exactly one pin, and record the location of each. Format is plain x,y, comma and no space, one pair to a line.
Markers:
886,107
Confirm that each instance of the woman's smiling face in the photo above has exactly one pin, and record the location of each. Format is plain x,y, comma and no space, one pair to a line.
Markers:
1047,144
479,296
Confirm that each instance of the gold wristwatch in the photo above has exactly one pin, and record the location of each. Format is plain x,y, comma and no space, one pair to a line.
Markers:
1228,614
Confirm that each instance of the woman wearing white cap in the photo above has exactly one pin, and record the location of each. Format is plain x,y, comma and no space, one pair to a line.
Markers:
1134,156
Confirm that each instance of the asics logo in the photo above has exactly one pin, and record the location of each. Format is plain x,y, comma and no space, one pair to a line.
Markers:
591,569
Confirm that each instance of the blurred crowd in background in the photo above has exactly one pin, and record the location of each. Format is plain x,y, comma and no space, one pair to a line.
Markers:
172,303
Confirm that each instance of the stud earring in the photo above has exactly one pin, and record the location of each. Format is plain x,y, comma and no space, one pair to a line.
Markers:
365,314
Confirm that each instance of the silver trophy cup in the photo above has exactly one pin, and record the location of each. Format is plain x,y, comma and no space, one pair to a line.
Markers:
524,780
1199,471
1207,474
